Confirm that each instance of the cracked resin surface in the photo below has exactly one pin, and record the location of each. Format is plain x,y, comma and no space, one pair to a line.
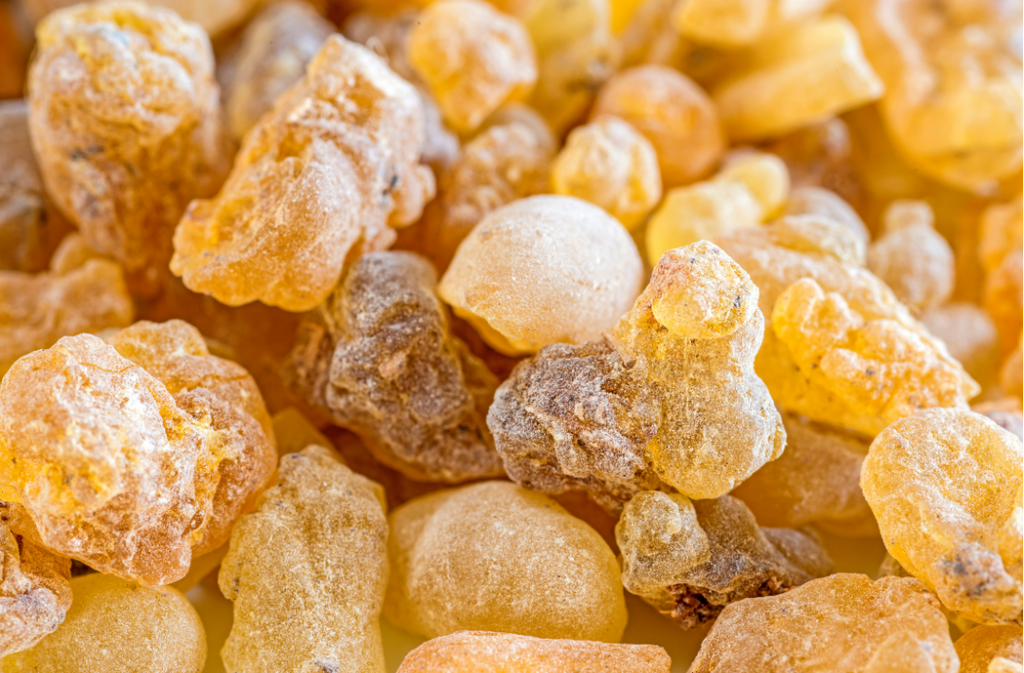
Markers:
115,626
843,622
125,124
497,557
542,270
690,559
945,486
307,572
319,178
81,292
34,590
393,373
486,652
133,454
674,397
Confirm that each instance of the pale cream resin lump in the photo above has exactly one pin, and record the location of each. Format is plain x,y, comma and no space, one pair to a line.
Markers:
543,270
494,556
322,177
115,626
945,486
307,572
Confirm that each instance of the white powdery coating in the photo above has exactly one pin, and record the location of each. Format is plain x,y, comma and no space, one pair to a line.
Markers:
544,270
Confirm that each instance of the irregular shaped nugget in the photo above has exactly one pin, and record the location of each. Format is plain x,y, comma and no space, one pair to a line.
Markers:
945,486
30,227
133,455
396,376
911,257
319,178
970,336
215,17
497,557
809,200
115,626
485,652
816,480
307,572
673,397
819,249
690,559
273,53
990,649
731,24
473,58
82,292
1000,252
745,193
875,371
766,96
34,590
842,622
543,270
609,164
126,126
952,73
672,112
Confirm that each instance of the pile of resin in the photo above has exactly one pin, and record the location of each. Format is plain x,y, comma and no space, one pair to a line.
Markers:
480,336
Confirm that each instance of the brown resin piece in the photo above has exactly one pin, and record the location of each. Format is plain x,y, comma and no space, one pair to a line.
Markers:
945,486
990,649
133,455
125,122
81,292
673,397
493,556
30,227
320,178
815,481
274,51
307,572
844,622
487,652
115,626
34,590
388,368
690,559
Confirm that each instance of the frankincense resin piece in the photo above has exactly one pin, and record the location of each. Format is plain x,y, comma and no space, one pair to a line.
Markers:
320,178
990,649
497,557
673,396
391,371
473,58
134,454
690,559
126,125
843,622
543,270
115,626
486,652
307,572
945,486
34,590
